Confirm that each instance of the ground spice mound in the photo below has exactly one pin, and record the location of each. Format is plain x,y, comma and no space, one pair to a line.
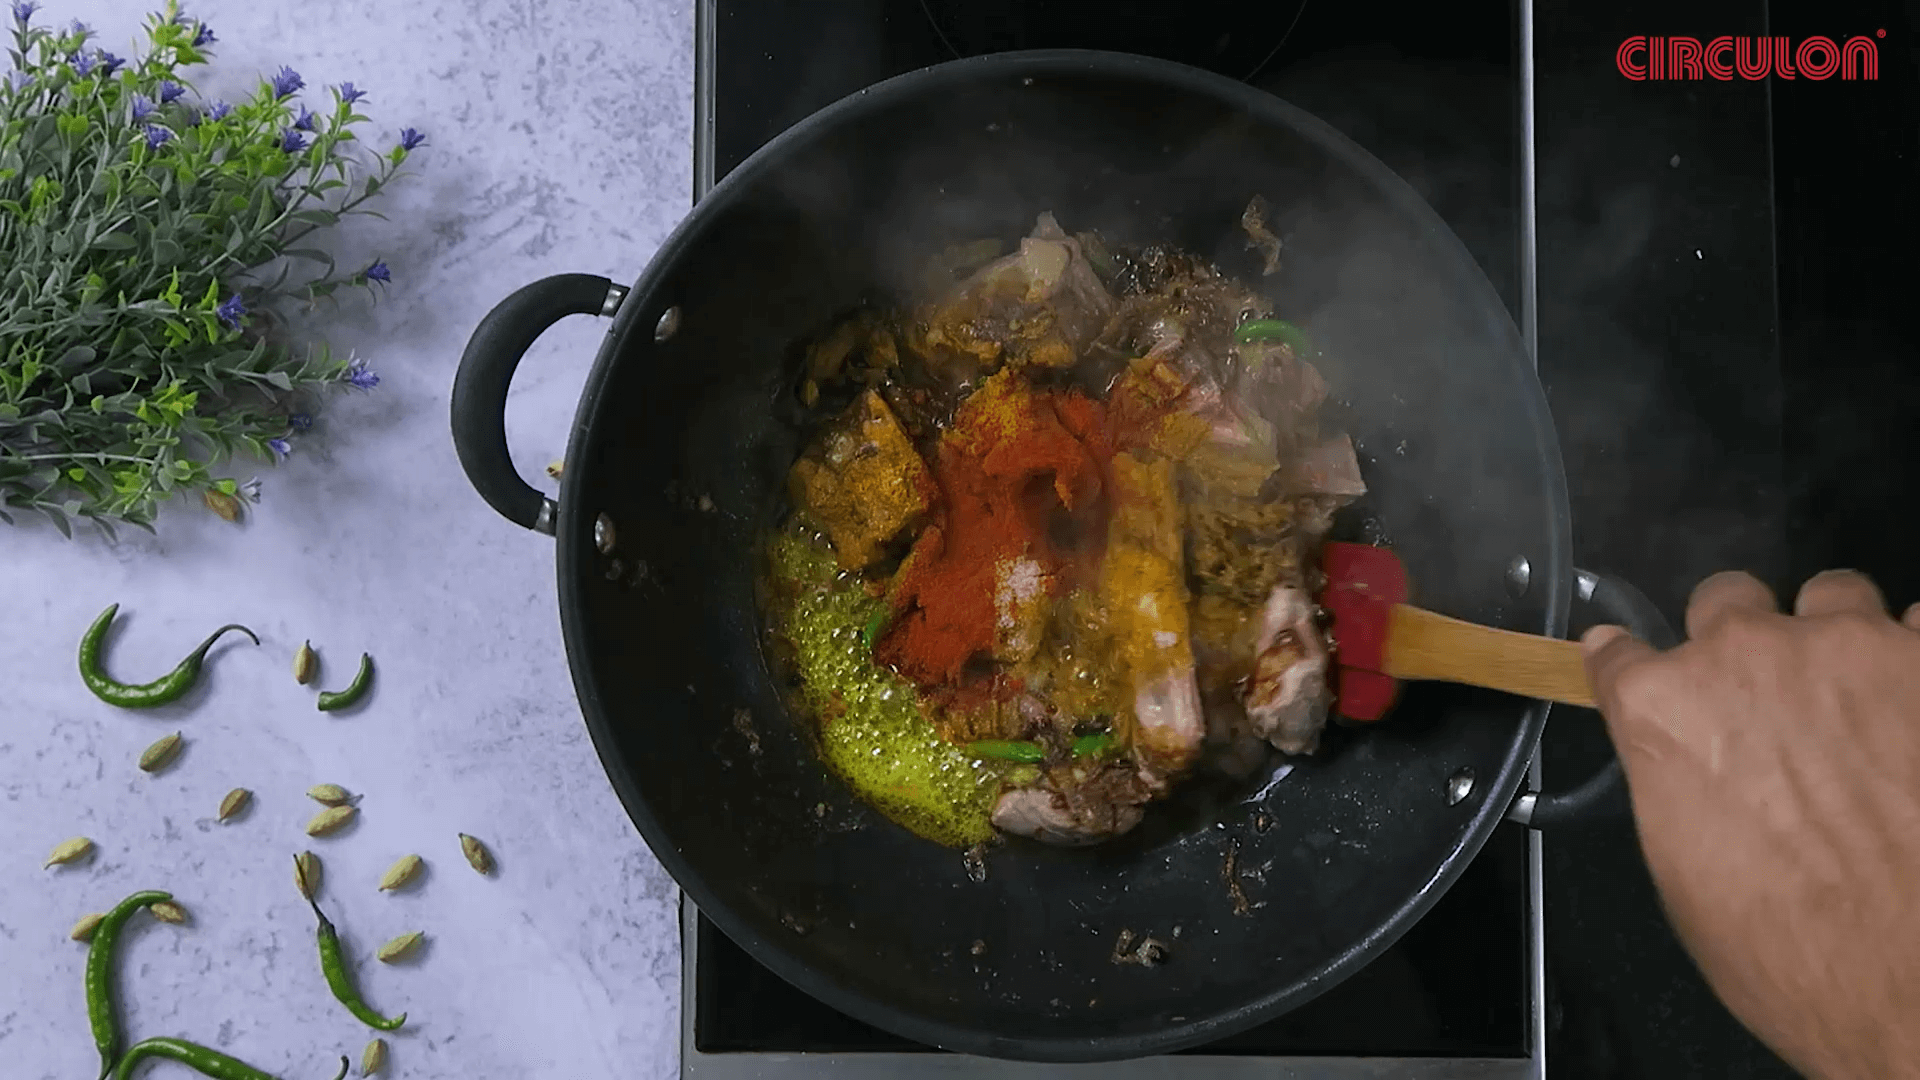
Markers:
1021,477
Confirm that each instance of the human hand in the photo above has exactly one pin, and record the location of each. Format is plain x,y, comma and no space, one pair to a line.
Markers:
1774,765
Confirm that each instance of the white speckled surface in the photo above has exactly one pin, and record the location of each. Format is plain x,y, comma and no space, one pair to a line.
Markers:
560,140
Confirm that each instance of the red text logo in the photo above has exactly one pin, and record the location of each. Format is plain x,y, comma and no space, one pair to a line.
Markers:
1752,58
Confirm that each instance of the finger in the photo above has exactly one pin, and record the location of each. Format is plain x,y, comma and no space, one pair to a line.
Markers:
1838,592
1912,618
1610,652
1727,593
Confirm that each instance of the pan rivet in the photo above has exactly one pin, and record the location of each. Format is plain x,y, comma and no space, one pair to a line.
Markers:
668,325
1519,575
603,533
1459,786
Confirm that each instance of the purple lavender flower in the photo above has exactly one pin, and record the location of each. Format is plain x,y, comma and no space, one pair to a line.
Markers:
411,139
203,36
280,447
360,377
292,141
83,63
286,82
299,421
24,9
156,136
218,110
304,122
76,28
170,92
18,80
350,93
142,107
110,63
378,272
231,312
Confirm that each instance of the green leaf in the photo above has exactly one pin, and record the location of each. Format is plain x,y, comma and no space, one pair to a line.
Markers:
114,242
279,380
315,217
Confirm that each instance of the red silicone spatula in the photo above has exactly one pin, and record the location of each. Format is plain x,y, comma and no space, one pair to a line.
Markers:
1379,638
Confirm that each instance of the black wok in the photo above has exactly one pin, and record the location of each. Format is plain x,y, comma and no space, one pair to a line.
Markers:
676,465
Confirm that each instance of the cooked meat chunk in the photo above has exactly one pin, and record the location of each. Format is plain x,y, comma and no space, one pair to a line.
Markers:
1287,697
1039,306
1075,804
864,482
1144,589
1327,468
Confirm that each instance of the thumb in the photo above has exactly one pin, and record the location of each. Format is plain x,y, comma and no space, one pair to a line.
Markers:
1611,652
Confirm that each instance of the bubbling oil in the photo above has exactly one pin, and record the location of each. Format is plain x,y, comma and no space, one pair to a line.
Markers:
870,728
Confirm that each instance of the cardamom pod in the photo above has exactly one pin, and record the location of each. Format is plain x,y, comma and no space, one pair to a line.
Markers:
68,851
305,663
374,1059
330,820
83,930
329,795
306,873
236,801
168,911
477,854
400,873
399,947
160,754
221,503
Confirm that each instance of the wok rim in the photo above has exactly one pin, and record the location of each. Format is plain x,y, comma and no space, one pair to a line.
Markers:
779,953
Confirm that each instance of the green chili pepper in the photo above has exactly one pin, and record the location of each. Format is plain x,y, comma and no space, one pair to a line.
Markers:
871,633
1089,745
201,1059
166,688
100,992
1005,750
357,689
1276,332
333,964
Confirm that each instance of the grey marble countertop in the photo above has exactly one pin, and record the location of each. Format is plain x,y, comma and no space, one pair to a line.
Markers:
559,140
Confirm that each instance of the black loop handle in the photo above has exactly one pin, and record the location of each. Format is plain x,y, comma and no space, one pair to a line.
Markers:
486,370
1599,797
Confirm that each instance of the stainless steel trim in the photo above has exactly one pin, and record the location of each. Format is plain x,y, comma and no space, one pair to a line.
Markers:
704,15
695,1065
1584,582
1522,811
611,304
1536,938
544,521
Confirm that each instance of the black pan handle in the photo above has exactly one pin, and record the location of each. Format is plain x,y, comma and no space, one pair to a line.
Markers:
486,370
1597,799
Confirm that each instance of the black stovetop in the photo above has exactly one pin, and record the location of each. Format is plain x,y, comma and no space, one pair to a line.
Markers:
1717,274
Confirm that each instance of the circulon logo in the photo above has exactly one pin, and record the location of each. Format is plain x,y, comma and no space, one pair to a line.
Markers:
1752,58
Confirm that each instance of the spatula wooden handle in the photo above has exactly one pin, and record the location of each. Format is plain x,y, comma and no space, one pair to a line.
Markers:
1425,645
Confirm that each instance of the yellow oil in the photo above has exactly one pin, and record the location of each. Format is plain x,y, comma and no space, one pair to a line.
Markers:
871,730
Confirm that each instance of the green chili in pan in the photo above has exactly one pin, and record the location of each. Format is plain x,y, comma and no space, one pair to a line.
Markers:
160,691
101,1013
1007,750
333,964
1032,753
1089,745
1274,332
871,632
201,1059
357,689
